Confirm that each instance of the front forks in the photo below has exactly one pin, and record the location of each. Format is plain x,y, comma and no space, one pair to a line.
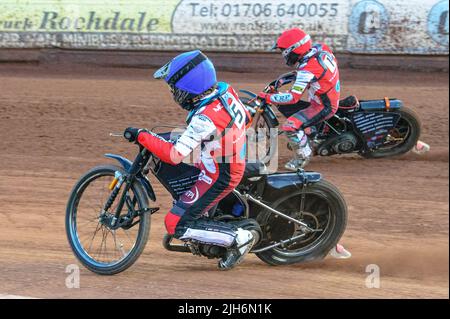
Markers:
112,221
256,118
118,182
115,186
121,202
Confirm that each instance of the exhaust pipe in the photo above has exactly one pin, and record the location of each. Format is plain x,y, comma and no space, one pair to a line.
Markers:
167,244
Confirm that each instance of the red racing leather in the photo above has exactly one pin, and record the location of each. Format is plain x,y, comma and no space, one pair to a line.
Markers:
163,149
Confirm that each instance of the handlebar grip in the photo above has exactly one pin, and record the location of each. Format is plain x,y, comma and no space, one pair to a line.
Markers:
127,135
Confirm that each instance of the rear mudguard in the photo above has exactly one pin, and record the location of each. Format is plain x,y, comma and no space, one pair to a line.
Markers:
374,119
280,184
270,113
126,164
381,105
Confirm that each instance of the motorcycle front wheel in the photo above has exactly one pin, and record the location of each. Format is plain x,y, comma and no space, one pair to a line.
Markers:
99,248
262,142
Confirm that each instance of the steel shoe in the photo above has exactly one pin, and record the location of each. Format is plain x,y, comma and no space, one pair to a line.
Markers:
244,243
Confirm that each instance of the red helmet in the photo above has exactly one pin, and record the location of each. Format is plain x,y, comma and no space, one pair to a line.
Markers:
294,44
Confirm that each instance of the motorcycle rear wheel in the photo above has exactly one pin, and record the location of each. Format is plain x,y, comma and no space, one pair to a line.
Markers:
408,125
324,208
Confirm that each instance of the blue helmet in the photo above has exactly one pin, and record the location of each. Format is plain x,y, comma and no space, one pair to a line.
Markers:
189,75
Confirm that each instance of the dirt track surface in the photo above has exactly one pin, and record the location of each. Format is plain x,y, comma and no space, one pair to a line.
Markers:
54,127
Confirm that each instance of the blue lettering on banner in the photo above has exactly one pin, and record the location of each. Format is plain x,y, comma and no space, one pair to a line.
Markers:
438,22
368,22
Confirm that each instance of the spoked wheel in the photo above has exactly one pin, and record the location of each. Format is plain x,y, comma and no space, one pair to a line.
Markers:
101,248
321,207
401,138
262,140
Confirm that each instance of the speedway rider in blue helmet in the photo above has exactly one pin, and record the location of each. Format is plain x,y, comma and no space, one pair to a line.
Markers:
216,121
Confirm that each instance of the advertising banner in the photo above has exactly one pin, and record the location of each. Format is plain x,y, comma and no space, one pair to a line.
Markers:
357,26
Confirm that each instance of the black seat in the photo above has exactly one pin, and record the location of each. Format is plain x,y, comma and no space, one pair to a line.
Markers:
349,101
255,169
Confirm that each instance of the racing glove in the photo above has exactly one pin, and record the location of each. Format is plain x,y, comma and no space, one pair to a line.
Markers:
264,97
132,133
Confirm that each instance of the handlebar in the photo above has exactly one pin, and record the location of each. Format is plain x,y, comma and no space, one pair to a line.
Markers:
116,134
141,148
280,81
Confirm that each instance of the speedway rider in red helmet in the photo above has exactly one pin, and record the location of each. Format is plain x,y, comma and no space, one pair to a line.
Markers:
216,122
318,74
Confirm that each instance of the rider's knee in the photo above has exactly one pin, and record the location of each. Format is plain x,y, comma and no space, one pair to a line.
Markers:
290,126
287,128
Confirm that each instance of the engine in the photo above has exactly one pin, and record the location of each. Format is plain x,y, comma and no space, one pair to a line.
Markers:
340,144
211,251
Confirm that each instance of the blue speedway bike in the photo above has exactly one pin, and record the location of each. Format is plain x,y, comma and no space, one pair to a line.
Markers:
295,216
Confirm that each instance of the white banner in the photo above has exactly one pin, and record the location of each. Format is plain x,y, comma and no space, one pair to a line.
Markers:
357,26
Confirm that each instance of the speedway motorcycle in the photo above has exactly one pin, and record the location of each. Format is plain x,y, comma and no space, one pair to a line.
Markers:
370,128
294,216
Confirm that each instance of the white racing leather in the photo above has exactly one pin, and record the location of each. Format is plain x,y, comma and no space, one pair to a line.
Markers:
199,129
